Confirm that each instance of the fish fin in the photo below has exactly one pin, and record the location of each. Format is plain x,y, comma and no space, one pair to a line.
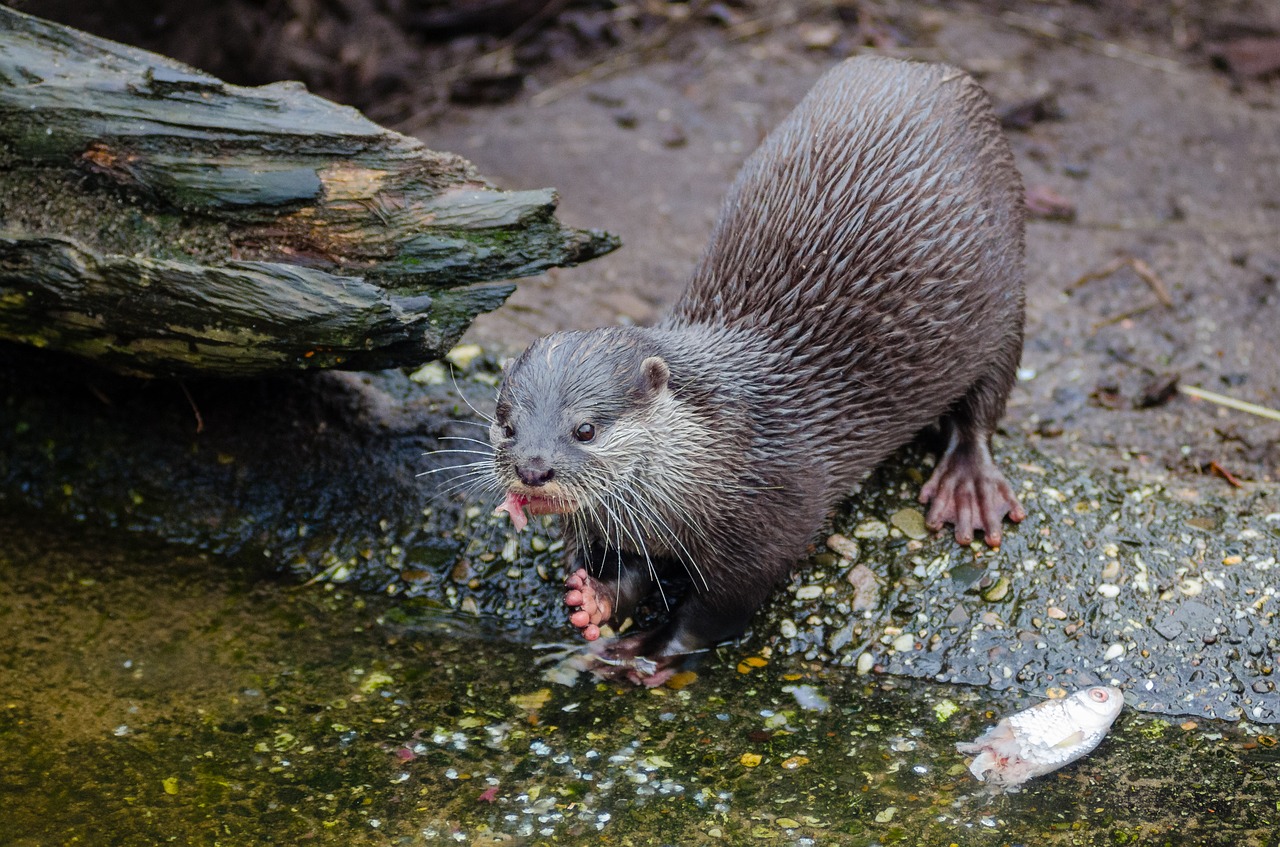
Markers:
1069,740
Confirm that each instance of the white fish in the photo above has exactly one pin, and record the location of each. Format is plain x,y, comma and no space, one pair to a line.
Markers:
1041,739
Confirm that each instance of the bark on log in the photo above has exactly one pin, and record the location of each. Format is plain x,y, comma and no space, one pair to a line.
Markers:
163,222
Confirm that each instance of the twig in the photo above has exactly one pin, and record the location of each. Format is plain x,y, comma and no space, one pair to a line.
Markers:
1093,44
1219,470
194,407
1141,268
1122,316
1230,402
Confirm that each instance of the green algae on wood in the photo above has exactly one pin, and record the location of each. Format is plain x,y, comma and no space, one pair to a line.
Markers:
163,222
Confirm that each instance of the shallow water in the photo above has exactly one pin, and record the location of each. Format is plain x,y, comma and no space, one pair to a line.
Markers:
150,695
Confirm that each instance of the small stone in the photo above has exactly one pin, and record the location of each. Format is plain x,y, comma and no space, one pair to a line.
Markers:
795,762
673,136
911,522
1233,560
1111,570
867,587
904,642
432,373
1115,651
750,760
865,662
809,592
886,815
998,591
787,629
1109,590
463,355
872,530
1056,613
843,546
819,36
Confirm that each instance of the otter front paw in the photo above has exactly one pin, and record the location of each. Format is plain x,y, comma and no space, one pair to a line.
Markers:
970,493
589,602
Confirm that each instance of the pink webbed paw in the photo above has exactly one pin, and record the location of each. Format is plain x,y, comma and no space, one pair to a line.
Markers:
623,658
970,493
588,602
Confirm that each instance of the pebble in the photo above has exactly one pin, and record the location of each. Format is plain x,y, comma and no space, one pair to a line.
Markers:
873,530
865,662
904,642
463,355
998,591
843,546
1115,651
809,592
1056,613
788,628
1107,589
911,522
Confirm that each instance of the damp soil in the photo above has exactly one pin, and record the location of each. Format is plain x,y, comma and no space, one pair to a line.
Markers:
236,615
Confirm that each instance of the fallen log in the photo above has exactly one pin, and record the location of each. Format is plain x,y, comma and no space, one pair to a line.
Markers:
162,222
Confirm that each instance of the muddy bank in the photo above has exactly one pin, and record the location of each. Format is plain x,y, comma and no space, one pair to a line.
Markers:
1170,593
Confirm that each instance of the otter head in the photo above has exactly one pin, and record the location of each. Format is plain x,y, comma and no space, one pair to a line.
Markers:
567,431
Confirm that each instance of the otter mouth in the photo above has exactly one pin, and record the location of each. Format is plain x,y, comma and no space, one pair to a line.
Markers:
517,503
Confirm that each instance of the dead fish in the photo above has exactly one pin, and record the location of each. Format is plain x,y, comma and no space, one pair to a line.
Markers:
1041,739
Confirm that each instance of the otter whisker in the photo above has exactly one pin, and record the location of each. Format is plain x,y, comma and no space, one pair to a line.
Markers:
485,444
682,554
453,376
476,467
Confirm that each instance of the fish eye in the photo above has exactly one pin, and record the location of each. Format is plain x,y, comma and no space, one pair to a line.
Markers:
1099,695
585,432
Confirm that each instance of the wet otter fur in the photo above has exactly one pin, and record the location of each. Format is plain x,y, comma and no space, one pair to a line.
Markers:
864,280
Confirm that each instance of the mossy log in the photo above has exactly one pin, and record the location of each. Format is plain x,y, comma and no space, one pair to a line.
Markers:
162,222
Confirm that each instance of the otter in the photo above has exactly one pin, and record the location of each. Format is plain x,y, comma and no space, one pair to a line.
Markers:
863,281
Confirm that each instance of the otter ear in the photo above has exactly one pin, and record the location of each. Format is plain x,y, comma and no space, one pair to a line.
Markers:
655,374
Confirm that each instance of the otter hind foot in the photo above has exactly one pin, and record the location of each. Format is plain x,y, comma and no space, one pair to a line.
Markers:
968,491
589,602
624,659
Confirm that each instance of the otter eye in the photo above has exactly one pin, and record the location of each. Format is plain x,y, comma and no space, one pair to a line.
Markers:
585,432
508,431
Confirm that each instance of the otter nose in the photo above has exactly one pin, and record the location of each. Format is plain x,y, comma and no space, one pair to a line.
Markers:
535,472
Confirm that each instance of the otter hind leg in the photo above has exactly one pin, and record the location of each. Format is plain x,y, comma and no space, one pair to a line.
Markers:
704,618
966,489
